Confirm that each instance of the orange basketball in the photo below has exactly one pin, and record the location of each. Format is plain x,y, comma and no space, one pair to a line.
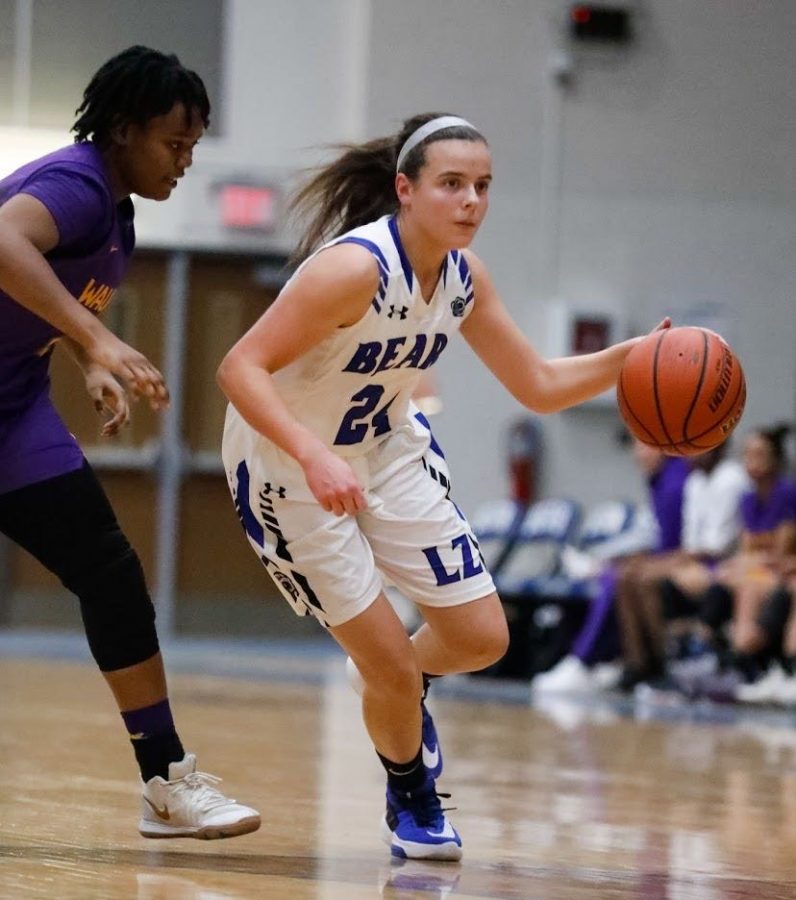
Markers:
682,390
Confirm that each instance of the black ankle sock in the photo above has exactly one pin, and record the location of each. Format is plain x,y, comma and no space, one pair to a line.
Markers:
406,776
747,664
789,665
154,753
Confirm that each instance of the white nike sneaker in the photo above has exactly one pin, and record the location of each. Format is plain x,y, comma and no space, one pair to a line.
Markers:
188,805
764,690
786,692
568,675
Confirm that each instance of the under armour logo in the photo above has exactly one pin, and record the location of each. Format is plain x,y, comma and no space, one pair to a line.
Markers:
397,311
114,248
279,491
457,306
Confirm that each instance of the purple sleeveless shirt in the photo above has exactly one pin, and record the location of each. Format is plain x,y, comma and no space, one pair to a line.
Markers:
760,515
96,239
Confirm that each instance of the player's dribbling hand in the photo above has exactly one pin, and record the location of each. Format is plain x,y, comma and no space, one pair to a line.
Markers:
133,368
109,397
666,322
334,484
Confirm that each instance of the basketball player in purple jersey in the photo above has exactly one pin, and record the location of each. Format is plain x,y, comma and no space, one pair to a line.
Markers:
66,236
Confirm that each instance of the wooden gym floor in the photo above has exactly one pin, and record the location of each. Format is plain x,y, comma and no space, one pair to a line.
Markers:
576,800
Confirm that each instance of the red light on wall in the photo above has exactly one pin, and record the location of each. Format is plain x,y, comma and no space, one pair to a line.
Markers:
247,206
580,14
600,22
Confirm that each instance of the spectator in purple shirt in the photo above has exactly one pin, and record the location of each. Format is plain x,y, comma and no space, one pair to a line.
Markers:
655,532
66,236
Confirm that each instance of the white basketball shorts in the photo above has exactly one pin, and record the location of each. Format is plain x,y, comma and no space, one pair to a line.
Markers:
411,535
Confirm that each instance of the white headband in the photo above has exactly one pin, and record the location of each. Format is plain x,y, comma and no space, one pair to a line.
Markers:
425,130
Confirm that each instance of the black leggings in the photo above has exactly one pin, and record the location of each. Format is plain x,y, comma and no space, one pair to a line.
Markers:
67,523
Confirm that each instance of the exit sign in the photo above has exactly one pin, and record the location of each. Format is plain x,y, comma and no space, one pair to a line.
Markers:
248,206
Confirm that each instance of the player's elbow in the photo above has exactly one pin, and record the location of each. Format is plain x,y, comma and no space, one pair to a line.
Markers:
225,374
542,404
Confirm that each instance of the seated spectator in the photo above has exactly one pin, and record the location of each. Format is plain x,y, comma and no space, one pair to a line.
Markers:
711,528
754,584
655,531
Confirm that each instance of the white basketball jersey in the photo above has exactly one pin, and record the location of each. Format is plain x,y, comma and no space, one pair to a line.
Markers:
355,386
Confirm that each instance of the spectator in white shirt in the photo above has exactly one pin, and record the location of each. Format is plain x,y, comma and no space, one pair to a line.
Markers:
711,527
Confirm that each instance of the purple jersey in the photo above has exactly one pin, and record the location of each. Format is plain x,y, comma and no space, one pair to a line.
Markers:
96,239
666,495
766,514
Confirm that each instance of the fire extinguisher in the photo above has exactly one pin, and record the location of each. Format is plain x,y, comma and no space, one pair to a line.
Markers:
525,440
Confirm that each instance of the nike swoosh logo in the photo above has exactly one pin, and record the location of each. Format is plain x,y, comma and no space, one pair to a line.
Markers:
160,813
447,831
430,758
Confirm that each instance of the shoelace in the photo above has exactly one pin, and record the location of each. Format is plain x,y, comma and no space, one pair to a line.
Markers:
426,808
201,786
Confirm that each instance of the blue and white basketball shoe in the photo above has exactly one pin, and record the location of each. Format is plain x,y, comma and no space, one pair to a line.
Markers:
415,826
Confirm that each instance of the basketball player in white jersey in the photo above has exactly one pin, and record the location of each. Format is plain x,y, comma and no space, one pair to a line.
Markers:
336,483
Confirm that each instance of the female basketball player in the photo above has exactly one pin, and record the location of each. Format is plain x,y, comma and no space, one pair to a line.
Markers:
66,235
332,477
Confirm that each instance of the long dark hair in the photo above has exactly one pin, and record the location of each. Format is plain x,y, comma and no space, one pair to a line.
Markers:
775,436
359,186
135,86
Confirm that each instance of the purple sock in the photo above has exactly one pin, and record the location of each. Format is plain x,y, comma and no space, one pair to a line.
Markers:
154,739
150,720
598,614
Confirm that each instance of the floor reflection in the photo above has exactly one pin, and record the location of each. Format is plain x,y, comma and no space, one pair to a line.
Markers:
564,800
402,877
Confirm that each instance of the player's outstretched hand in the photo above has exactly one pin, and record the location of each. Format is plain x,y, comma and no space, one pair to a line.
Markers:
110,399
334,483
137,373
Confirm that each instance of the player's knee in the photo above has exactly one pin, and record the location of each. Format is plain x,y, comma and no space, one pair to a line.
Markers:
396,676
498,641
117,610
485,646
